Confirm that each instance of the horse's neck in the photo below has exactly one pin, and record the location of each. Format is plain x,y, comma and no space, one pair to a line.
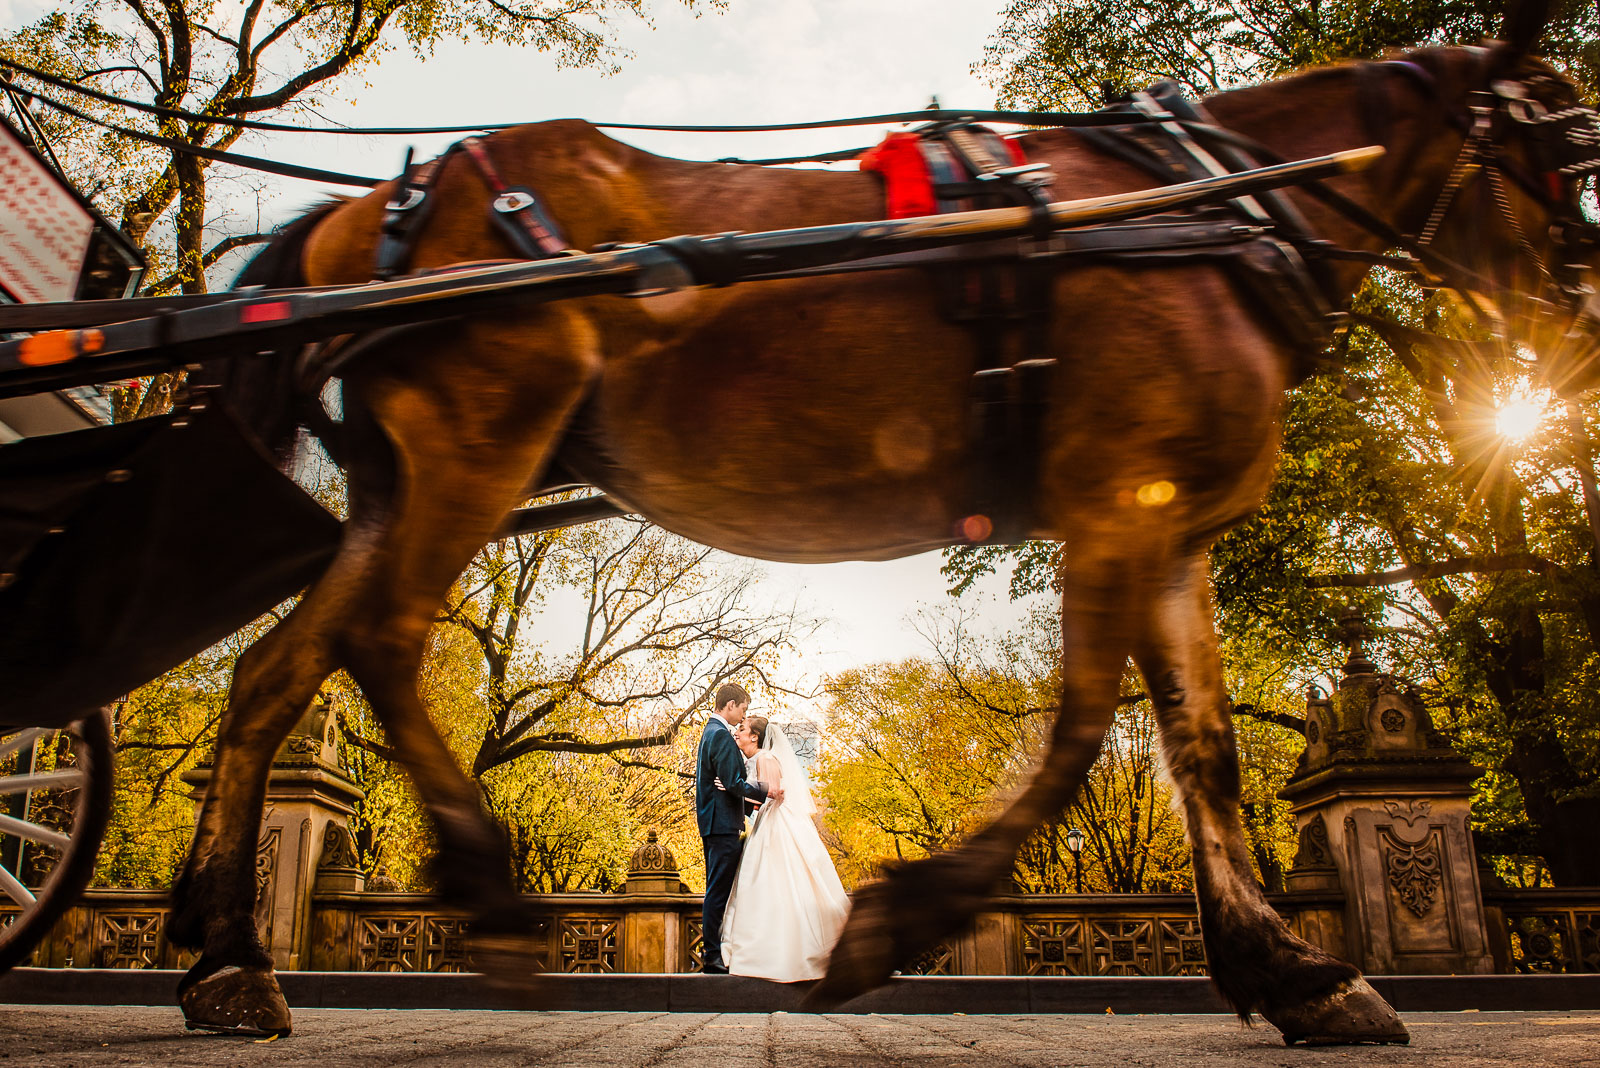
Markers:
1321,112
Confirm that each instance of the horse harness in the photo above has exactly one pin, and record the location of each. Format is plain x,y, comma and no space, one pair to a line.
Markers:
1004,287
1001,289
1563,147
515,211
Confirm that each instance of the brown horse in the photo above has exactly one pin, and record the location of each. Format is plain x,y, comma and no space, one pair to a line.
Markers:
823,419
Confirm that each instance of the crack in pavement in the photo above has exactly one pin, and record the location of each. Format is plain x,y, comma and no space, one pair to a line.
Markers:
665,1050
968,1048
871,1047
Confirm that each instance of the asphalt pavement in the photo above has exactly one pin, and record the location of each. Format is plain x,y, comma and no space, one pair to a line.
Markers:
58,1035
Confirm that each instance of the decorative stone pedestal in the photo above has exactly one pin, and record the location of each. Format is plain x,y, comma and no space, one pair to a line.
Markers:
653,928
305,835
1382,803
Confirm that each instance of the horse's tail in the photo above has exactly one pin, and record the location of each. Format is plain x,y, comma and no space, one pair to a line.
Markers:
260,388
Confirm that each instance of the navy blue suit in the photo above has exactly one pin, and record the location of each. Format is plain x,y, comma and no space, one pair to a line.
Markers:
721,817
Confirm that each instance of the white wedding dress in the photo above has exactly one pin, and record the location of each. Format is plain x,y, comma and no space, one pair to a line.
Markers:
787,906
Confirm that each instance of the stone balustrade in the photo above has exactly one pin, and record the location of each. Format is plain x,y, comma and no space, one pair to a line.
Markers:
1544,931
1538,931
1385,877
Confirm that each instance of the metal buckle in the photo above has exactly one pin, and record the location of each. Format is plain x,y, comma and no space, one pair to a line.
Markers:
1527,111
413,197
1013,172
510,203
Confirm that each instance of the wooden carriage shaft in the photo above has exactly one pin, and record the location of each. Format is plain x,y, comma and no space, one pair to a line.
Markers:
259,321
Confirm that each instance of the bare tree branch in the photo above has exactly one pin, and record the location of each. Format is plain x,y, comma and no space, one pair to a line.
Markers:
375,748
1282,719
213,254
621,762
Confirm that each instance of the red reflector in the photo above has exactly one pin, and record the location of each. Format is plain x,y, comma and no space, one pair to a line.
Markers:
268,311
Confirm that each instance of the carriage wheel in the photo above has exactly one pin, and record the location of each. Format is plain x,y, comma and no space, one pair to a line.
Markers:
47,858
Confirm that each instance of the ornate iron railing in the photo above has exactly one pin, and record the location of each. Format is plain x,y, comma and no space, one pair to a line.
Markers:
113,929
1546,931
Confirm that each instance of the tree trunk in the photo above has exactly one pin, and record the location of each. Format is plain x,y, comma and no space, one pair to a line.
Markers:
1567,830
190,225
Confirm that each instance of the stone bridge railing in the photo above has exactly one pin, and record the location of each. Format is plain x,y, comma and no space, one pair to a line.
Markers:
1544,931
1385,877
1535,931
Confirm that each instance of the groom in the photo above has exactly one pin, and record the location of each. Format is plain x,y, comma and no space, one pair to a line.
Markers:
720,810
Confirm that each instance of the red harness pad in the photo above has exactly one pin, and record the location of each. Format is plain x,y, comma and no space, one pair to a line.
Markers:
908,187
907,180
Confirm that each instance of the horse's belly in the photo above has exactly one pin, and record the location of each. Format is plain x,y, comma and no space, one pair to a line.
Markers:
788,491
802,430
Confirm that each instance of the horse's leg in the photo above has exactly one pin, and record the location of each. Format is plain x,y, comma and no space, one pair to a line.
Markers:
427,544
914,905
1256,962
345,619
466,435
231,986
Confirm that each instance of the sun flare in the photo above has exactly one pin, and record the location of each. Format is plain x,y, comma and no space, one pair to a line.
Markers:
1521,413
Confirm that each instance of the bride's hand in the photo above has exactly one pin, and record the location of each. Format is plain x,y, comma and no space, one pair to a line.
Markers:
718,784
775,795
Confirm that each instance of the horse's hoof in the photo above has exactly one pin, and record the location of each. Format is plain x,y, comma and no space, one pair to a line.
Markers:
236,1001
506,961
1352,1014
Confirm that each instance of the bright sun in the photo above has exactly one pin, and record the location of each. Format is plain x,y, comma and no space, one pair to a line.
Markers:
1521,412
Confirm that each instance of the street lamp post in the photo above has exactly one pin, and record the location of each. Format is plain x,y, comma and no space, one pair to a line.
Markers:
1075,847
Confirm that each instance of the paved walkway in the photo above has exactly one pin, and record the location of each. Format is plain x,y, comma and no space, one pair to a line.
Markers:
48,1036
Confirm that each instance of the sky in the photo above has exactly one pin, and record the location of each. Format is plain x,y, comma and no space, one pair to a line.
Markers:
763,61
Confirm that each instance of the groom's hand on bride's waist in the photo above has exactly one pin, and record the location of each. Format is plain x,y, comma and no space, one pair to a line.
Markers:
773,794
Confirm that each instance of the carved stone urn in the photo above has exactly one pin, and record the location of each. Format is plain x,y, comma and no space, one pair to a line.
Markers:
657,933
1382,804
653,869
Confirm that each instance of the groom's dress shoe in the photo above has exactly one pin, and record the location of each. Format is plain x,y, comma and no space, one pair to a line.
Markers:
714,969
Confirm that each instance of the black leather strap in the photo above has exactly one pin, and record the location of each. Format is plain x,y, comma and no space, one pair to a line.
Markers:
406,214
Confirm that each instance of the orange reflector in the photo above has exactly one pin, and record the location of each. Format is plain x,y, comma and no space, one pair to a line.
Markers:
59,346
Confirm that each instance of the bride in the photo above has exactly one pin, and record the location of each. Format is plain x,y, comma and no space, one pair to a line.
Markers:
787,906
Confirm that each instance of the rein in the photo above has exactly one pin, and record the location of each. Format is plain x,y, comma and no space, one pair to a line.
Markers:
1564,144
1020,118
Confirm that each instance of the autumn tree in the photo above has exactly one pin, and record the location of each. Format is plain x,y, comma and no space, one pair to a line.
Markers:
245,59
910,768
922,752
160,731
1068,53
661,624
1472,543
